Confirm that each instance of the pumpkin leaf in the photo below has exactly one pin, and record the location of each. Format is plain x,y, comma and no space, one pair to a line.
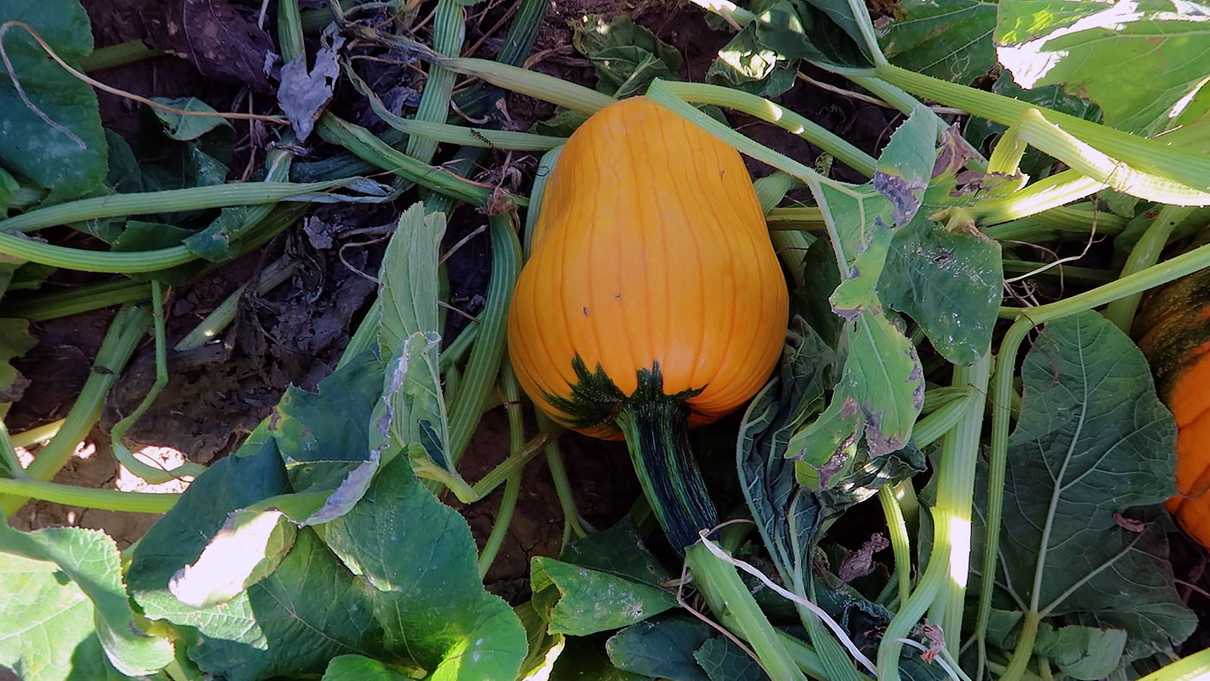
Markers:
183,127
15,341
722,660
750,65
948,39
1157,50
950,282
544,648
435,611
584,659
78,573
601,582
662,648
52,126
626,56
411,413
1093,441
359,668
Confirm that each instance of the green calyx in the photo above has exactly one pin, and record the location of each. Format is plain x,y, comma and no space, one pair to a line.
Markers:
656,429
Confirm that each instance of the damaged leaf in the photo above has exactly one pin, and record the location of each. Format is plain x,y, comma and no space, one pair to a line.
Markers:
304,95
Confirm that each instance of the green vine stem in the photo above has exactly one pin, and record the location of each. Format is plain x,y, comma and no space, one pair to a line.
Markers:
117,434
277,273
945,576
1146,252
724,592
1041,196
168,200
37,434
1075,221
112,56
57,304
1002,397
1190,668
449,31
512,488
488,352
123,336
901,544
8,453
87,497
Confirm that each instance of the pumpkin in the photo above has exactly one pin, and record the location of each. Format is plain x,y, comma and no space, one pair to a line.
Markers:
653,300
1173,329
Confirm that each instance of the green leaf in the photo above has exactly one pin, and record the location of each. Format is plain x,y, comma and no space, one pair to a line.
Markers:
825,32
579,601
148,236
877,400
618,550
865,217
750,65
722,660
1141,62
544,647
248,548
57,142
948,39
1084,653
584,659
358,668
411,413
323,437
185,128
1093,440
661,648
950,282
420,562
78,573
44,619
627,57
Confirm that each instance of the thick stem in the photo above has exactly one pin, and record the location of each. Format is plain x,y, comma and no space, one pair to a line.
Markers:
512,489
121,54
657,436
1191,668
900,543
1145,254
87,497
725,592
1025,648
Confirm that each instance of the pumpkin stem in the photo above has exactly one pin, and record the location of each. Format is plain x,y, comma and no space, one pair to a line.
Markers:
657,435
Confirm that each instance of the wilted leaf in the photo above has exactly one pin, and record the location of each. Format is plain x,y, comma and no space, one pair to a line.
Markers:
182,127
1142,62
949,39
950,282
661,648
304,95
627,57
76,577
1092,440
15,341
52,134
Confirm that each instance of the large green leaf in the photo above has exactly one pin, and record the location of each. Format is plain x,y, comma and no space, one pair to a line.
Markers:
951,282
949,39
323,437
52,135
359,668
1142,62
1093,440
722,660
420,562
89,559
44,619
661,648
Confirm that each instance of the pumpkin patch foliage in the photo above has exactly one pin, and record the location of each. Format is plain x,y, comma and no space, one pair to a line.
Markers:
534,341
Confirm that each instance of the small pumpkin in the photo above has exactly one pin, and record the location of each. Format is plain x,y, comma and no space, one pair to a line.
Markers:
1173,328
653,299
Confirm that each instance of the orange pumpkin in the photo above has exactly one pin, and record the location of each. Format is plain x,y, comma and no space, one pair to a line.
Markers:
1174,332
653,299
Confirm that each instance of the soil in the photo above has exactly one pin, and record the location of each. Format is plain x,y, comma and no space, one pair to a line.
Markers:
295,333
